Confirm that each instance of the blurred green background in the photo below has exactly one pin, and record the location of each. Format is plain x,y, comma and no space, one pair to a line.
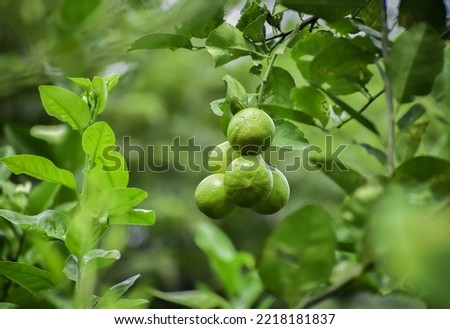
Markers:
162,95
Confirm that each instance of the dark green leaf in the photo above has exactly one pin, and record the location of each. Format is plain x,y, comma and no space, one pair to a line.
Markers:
422,169
5,306
347,179
40,168
66,106
42,197
288,134
281,112
193,299
252,20
409,140
433,12
299,255
27,276
256,30
50,223
278,87
370,14
414,62
414,113
198,18
330,10
312,102
161,41
134,217
226,43
377,153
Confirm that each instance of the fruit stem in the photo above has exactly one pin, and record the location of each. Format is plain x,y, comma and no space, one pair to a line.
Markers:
390,147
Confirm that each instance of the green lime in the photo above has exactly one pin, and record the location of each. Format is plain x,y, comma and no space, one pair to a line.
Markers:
221,157
250,131
211,198
248,181
278,197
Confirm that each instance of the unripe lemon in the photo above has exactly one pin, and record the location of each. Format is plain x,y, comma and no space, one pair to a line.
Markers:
248,181
278,197
221,157
250,131
211,198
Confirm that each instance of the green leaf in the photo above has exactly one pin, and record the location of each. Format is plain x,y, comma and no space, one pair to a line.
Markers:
51,224
211,13
5,151
27,276
236,94
82,82
370,14
6,306
416,58
343,66
222,256
117,291
40,168
110,172
217,106
377,153
330,10
51,134
414,113
97,138
71,268
312,102
414,169
347,179
134,217
351,111
162,41
409,140
116,201
42,197
278,87
98,258
433,12
126,303
66,106
288,134
281,112
299,255
101,94
226,43
111,81
252,20
193,299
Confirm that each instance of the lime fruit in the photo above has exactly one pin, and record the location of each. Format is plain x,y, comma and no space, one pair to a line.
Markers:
278,197
211,198
221,157
248,181
250,131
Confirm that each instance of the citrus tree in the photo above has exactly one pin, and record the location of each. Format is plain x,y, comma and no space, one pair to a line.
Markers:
325,67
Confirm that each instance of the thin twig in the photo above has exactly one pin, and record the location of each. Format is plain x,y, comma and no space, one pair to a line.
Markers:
365,107
390,147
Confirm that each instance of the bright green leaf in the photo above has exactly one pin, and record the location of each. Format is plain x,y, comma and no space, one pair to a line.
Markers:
97,258
66,106
312,102
198,18
299,255
236,94
161,41
40,168
29,277
5,151
107,176
42,197
416,58
288,134
117,291
50,224
97,138
82,82
330,10
50,134
111,81
116,201
71,268
100,93
134,217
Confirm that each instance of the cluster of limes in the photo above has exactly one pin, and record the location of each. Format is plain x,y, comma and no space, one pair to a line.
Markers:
240,176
